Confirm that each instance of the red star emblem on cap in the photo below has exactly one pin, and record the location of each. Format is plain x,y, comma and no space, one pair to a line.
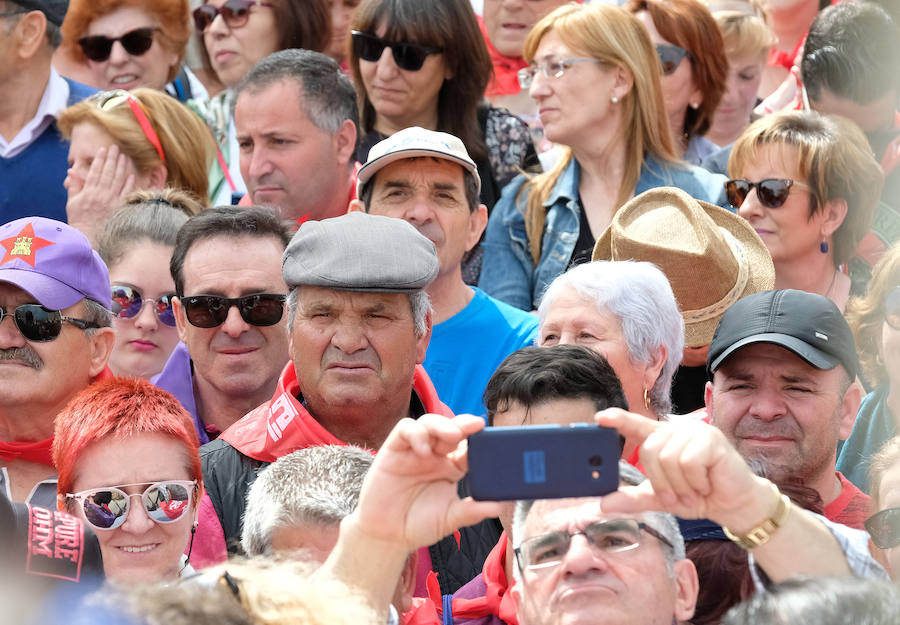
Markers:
23,246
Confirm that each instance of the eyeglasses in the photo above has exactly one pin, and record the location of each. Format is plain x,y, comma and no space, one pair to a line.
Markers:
39,325
892,308
107,508
135,42
108,100
549,68
127,303
234,12
407,56
772,192
670,56
611,536
884,528
209,311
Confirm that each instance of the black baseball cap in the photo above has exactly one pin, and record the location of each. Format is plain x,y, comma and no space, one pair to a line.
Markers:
807,324
55,10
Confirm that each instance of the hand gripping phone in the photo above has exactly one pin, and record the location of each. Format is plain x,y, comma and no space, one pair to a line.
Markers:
543,462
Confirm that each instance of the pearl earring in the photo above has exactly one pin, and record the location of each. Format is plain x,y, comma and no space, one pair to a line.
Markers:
614,99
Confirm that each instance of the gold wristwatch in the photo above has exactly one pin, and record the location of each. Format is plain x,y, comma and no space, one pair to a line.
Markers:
763,532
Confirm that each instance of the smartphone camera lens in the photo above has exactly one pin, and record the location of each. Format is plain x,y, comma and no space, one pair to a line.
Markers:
596,461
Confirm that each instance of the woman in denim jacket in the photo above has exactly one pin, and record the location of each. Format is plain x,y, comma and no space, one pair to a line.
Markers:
606,109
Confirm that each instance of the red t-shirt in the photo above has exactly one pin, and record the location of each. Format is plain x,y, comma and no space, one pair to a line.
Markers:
851,507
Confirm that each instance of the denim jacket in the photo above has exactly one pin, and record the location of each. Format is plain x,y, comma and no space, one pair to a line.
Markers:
508,272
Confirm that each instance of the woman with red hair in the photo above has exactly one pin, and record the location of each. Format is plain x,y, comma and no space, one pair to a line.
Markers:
126,453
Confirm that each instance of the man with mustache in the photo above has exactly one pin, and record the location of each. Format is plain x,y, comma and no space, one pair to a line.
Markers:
783,391
55,339
428,179
359,322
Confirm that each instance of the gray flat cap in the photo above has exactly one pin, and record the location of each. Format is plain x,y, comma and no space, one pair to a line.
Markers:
360,252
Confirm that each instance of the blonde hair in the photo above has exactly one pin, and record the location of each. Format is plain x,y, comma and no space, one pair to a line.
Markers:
833,158
617,39
186,141
888,456
866,315
744,34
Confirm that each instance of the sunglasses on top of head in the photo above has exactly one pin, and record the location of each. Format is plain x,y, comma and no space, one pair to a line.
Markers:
39,325
209,311
884,528
107,508
234,12
407,56
136,42
670,56
772,192
127,303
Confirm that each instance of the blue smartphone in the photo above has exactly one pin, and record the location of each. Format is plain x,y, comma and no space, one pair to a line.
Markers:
543,462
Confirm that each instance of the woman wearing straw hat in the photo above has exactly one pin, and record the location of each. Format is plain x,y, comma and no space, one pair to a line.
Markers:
711,257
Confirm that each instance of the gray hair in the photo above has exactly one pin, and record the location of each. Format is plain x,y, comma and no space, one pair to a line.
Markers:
314,486
327,96
96,312
662,522
419,303
640,297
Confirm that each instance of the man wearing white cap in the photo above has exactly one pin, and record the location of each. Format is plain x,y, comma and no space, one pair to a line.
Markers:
428,179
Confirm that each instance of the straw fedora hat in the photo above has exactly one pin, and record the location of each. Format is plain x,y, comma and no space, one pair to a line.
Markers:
711,257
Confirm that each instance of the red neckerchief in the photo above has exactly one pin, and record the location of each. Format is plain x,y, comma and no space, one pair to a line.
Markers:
506,69
422,612
38,451
497,599
283,425
779,58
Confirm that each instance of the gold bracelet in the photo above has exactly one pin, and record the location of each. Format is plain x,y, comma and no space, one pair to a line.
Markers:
763,532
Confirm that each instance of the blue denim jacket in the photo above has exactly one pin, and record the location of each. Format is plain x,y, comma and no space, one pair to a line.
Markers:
508,272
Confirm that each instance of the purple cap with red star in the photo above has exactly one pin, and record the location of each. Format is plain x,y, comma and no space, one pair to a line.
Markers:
53,262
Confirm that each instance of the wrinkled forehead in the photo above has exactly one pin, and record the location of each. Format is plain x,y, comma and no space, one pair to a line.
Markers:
551,515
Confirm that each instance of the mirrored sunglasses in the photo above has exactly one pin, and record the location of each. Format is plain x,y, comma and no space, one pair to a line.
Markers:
234,12
209,311
107,508
670,56
108,100
408,56
38,324
772,192
127,303
884,528
135,42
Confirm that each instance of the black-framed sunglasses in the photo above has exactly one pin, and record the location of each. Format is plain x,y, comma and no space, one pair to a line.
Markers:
892,308
127,303
884,528
407,56
610,536
107,507
772,192
209,311
39,325
670,56
135,42
234,12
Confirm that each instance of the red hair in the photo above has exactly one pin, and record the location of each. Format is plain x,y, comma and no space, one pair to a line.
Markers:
120,407
173,17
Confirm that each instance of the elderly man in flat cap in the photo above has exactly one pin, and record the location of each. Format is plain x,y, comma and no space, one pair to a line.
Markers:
359,321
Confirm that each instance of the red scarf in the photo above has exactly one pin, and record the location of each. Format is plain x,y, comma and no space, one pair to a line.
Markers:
506,69
497,599
37,451
283,425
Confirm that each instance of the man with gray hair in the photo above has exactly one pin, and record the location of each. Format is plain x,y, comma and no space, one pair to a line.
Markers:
359,324
296,120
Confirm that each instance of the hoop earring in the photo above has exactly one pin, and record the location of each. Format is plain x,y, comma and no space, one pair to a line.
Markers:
646,398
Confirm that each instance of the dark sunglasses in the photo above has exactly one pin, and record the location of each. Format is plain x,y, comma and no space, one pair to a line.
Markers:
884,528
670,56
127,303
209,311
107,508
38,324
98,47
234,12
892,308
407,56
772,192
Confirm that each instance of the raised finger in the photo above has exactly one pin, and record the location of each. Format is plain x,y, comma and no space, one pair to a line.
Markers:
633,427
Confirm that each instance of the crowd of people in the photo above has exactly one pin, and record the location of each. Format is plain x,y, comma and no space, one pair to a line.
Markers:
268,265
